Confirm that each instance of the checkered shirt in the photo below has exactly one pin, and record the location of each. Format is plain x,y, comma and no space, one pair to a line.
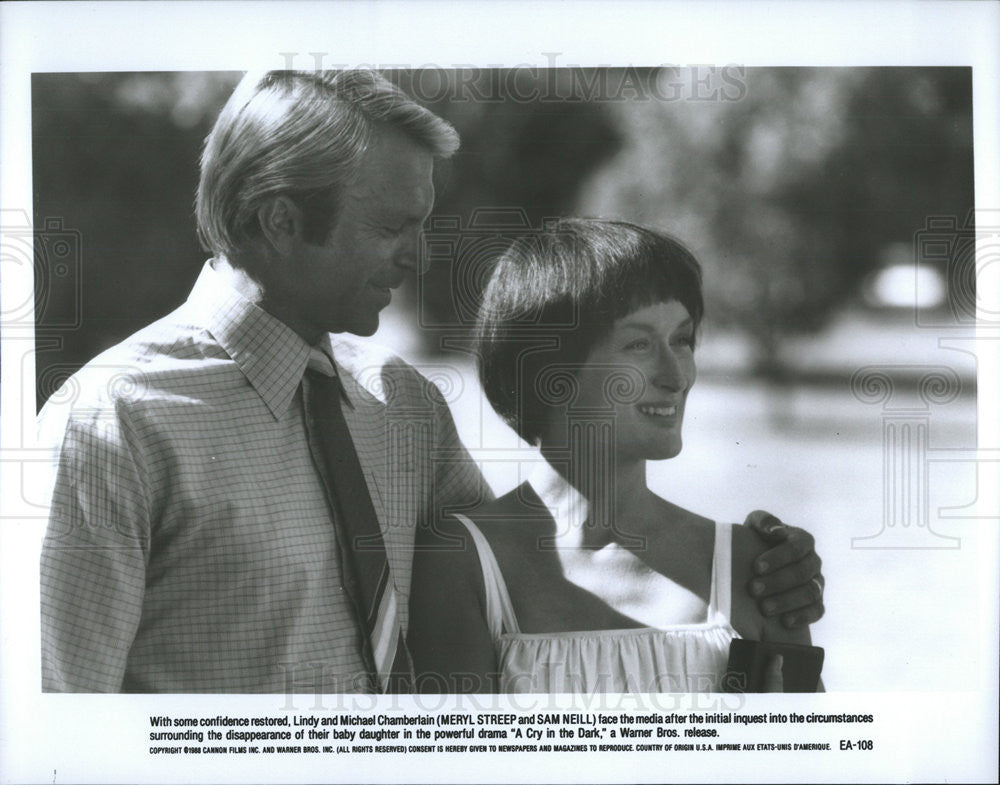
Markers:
189,545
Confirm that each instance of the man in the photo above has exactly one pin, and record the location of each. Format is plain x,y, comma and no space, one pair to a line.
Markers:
237,490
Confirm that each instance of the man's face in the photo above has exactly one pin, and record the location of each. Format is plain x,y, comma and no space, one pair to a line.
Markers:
341,285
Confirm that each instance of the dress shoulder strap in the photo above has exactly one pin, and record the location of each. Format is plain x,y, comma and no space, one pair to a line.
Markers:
721,601
499,609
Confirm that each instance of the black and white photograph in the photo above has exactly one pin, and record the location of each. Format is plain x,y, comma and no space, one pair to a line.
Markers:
384,409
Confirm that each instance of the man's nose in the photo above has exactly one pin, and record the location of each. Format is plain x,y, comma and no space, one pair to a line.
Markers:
411,254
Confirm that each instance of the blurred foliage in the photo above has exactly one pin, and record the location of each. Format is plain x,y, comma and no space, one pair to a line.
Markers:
115,158
788,183
790,194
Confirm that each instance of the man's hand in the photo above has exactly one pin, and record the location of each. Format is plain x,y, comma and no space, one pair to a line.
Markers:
788,579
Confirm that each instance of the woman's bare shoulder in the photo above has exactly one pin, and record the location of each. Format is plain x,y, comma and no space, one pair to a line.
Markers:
670,512
509,516
449,544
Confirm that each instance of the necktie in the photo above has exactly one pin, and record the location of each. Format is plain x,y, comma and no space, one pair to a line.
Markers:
364,567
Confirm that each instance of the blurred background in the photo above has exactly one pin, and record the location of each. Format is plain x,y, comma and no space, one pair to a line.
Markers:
831,209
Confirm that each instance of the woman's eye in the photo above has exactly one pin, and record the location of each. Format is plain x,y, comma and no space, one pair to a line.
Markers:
684,340
638,345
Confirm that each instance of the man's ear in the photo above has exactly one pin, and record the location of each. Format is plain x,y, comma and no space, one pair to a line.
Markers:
281,223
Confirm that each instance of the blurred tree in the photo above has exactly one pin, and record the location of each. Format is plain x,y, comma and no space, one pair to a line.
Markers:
115,158
789,194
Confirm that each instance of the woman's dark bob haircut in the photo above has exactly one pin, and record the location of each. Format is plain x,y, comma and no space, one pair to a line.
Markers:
555,293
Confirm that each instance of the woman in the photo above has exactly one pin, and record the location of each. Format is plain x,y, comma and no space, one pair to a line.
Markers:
581,579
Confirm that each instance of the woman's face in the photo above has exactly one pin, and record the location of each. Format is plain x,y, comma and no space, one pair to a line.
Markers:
651,354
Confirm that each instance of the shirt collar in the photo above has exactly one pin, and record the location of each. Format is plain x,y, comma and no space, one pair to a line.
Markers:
269,353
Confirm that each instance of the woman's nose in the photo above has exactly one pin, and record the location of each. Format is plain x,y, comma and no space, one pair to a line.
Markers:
670,373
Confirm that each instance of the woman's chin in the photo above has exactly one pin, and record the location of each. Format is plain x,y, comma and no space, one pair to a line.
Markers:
657,452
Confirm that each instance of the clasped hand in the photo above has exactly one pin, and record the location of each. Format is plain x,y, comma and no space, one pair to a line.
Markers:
788,582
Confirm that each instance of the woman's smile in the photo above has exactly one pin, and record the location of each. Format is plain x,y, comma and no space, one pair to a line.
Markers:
659,411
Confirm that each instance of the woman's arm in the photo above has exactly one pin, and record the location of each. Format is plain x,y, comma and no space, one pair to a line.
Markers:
452,648
747,618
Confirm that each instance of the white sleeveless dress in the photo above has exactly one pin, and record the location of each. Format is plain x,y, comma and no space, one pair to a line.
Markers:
678,658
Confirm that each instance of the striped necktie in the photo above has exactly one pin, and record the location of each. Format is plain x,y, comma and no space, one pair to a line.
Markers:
364,567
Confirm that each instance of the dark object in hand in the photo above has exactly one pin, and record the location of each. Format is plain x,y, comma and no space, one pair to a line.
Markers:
748,663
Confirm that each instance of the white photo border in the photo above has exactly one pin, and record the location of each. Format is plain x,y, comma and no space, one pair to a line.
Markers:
926,735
